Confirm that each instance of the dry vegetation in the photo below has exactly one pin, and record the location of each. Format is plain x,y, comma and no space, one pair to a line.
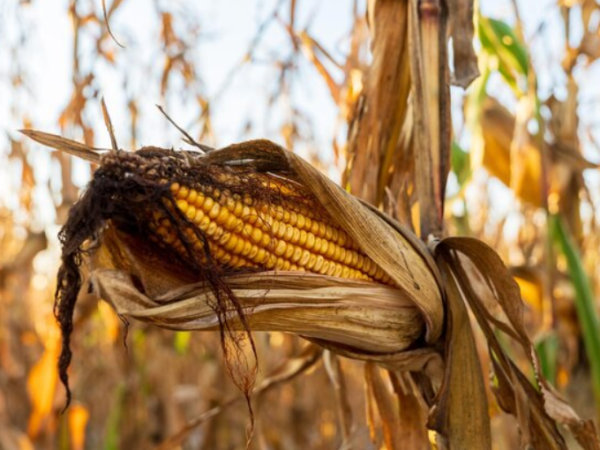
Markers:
483,330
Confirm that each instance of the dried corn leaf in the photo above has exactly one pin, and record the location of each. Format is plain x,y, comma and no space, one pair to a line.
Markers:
413,413
382,107
65,145
371,417
462,31
338,382
310,48
536,408
328,310
385,405
564,122
460,415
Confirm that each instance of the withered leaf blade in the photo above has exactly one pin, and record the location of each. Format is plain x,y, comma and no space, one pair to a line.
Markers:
462,32
510,152
460,414
412,416
382,108
335,373
66,145
385,405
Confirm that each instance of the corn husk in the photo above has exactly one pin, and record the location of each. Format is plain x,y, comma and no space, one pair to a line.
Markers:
357,316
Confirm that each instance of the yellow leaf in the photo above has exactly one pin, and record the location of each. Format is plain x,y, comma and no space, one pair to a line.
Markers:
78,418
41,385
498,125
530,286
110,321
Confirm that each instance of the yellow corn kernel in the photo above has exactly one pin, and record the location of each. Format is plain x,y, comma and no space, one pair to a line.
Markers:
241,232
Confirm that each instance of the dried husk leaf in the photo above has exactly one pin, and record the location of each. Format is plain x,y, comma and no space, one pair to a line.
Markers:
460,414
382,108
356,315
425,359
539,408
74,148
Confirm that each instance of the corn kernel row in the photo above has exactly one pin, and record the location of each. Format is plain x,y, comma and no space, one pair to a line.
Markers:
271,237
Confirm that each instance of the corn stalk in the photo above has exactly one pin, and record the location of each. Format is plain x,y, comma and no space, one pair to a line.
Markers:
403,115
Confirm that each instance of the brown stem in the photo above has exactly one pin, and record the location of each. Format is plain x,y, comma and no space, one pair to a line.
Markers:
429,70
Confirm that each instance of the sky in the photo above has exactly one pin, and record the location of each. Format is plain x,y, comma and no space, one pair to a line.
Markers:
226,28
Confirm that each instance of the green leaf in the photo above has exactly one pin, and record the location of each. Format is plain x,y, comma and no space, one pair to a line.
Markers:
584,299
547,349
509,54
111,440
461,164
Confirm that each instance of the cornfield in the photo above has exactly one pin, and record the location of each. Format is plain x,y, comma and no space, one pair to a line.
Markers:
409,261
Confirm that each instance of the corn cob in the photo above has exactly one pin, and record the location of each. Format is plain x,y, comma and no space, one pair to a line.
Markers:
244,233
199,208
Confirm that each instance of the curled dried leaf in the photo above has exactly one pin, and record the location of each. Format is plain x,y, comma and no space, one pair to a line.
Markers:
537,408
